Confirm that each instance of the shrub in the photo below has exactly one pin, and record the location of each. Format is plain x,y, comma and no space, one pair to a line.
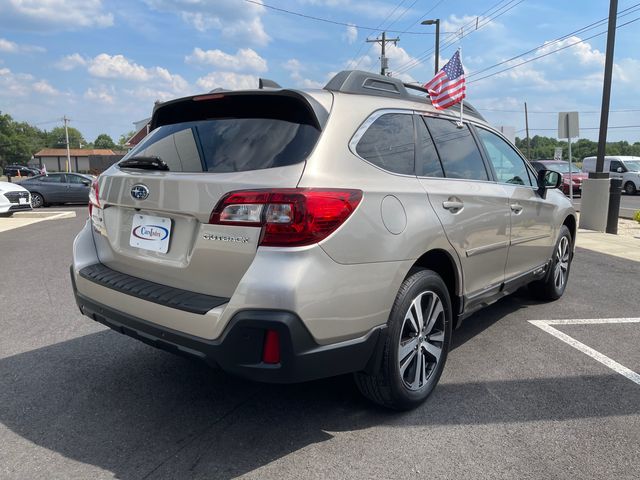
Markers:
636,216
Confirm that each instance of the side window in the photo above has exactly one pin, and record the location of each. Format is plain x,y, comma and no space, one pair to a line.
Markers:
615,164
508,165
51,178
458,151
427,161
389,144
75,179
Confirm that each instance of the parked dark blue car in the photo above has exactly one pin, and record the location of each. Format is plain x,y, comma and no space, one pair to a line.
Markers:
58,188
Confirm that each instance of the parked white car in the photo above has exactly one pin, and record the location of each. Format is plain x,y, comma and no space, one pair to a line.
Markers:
13,198
625,168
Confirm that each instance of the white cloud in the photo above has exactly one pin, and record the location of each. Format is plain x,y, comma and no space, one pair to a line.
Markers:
121,68
101,94
296,68
245,59
42,86
70,62
55,15
235,20
351,34
228,81
14,85
398,58
8,46
117,66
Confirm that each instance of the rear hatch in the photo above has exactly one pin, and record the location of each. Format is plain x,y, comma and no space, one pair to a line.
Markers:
154,207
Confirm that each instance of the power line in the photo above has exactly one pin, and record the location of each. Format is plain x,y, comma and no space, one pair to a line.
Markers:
551,53
425,54
496,11
424,15
362,44
326,20
549,112
557,40
581,128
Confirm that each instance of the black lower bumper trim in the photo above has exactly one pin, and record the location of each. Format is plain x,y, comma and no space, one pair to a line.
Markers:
152,292
239,349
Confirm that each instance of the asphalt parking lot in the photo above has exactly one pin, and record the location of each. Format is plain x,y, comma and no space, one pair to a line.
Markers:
78,401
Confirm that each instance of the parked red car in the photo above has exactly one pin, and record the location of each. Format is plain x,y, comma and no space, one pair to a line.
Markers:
577,175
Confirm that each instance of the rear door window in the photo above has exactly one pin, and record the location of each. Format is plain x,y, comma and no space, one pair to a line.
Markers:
427,161
389,143
457,148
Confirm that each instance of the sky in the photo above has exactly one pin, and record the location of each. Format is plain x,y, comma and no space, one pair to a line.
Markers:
103,63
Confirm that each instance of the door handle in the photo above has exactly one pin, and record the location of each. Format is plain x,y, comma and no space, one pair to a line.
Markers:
452,205
516,208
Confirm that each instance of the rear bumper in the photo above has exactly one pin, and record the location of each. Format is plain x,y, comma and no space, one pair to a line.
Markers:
239,349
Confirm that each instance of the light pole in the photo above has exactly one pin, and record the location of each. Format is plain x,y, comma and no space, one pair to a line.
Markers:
435,22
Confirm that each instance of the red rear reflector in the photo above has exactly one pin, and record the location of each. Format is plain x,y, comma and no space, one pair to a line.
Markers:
292,217
271,350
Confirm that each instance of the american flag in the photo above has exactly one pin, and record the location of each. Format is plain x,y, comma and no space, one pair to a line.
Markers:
448,87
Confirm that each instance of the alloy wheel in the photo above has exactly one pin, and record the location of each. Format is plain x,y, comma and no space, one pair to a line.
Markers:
561,269
421,340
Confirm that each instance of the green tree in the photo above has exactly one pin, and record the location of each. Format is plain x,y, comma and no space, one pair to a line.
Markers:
18,140
124,137
104,141
56,138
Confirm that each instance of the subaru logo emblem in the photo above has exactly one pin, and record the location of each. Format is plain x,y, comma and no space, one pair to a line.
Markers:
139,191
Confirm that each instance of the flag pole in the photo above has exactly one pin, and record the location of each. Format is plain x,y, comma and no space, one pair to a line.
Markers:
460,55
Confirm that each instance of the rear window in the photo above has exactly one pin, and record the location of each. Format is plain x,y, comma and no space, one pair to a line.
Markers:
229,144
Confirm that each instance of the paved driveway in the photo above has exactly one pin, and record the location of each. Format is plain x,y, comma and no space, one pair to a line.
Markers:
78,401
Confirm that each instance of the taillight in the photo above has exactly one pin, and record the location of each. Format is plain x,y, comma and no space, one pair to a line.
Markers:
290,217
94,196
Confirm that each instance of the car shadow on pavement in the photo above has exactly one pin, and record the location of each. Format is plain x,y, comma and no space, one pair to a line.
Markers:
106,400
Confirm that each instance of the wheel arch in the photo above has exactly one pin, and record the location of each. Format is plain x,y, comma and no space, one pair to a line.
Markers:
442,262
571,224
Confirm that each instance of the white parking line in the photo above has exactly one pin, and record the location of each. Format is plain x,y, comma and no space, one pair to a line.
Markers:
612,364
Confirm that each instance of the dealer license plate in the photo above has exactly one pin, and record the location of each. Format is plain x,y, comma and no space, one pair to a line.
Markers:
150,233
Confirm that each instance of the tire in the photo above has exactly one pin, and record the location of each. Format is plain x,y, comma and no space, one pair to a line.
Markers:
554,284
630,188
398,384
37,200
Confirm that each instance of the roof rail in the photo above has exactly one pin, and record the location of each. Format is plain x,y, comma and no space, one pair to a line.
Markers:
367,83
266,83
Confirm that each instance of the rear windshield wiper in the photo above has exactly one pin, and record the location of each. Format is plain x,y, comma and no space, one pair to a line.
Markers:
144,163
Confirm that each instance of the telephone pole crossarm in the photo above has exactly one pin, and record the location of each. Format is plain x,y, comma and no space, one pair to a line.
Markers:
384,64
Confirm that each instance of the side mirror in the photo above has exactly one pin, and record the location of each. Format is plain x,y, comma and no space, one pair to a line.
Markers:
86,183
548,179
619,170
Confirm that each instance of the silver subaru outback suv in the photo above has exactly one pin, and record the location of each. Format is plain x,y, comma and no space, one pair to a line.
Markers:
287,235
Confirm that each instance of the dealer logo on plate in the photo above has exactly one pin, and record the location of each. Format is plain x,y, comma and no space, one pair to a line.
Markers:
150,232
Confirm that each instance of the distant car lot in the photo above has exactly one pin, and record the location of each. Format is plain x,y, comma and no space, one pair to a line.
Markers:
78,401
58,188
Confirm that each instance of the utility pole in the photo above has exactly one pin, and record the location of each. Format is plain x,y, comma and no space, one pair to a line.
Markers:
66,134
600,203
384,62
606,89
526,124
